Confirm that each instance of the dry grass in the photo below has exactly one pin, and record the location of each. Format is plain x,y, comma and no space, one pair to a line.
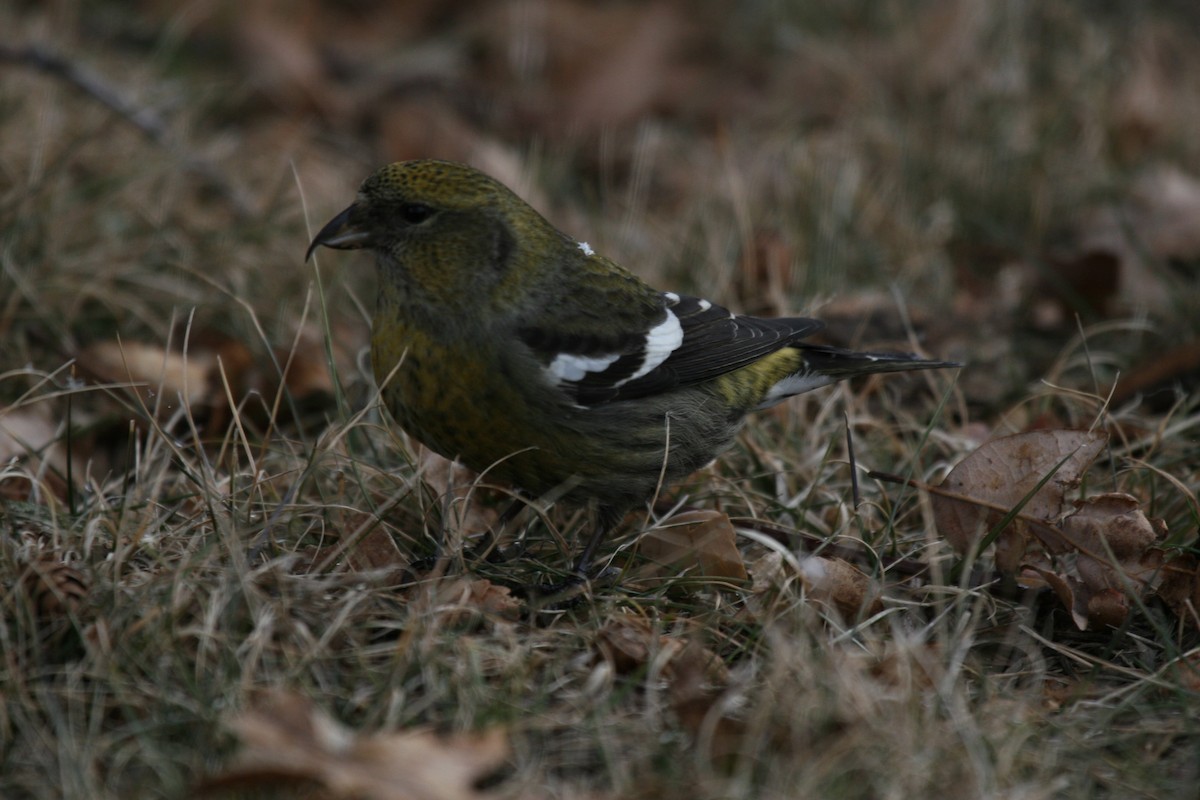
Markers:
905,163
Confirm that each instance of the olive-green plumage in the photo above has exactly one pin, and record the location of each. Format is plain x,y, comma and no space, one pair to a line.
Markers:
502,342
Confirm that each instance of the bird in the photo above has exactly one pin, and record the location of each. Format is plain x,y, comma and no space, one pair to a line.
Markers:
505,344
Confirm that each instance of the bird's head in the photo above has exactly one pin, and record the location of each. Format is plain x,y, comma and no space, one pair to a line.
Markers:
438,227
413,199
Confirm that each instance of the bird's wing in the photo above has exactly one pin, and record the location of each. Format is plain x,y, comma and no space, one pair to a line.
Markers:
677,341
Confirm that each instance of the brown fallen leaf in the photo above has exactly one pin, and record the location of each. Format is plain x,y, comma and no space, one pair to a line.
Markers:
834,582
1066,589
1107,607
695,677
1159,374
696,700
32,436
54,588
1099,558
1186,671
702,540
375,550
458,484
456,601
287,740
162,378
1003,472
628,642
839,583
1116,543
1180,587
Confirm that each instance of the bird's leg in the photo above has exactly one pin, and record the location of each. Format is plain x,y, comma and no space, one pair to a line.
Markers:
488,546
607,519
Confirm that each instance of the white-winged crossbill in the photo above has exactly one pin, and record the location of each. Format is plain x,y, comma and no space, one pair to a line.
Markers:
510,346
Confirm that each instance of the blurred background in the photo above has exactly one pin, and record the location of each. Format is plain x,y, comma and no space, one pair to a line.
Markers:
981,181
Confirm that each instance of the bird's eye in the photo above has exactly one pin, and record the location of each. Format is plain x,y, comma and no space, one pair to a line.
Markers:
415,213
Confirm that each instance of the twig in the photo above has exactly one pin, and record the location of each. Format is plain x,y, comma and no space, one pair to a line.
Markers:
148,122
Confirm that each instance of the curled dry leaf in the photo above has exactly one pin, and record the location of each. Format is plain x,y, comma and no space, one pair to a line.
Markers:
834,582
703,540
1065,588
1089,608
1116,559
1107,607
995,478
840,584
286,739
1115,541
1098,559
768,573
375,550
1186,671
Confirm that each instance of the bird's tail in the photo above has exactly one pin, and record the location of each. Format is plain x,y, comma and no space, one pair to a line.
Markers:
839,364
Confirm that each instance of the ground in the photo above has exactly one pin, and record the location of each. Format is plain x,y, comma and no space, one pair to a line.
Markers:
220,557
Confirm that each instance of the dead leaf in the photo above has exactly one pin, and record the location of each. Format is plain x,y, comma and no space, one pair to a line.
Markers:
1165,212
1116,560
286,739
1083,283
695,677
703,540
629,642
1000,474
376,549
841,584
30,434
162,378
1186,671
768,573
54,587
695,698
458,483
1158,223
1114,523
459,599
1066,589
1108,607
1180,587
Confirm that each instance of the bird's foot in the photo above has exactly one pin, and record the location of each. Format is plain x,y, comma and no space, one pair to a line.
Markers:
566,593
